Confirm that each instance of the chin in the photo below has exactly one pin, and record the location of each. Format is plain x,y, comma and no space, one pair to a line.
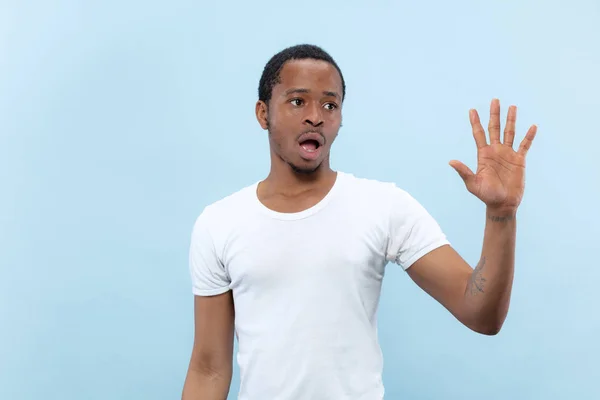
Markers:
305,169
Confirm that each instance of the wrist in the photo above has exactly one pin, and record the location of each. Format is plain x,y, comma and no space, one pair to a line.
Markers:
501,214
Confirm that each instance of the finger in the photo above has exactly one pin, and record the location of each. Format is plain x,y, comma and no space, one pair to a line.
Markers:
509,129
494,124
478,132
527,140
463,171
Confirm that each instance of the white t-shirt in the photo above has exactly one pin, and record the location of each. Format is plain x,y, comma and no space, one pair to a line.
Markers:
306,285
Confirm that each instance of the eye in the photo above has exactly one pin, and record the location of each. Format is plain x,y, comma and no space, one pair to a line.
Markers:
330,106
296,102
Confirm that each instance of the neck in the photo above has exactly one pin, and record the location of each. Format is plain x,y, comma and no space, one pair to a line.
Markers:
282,178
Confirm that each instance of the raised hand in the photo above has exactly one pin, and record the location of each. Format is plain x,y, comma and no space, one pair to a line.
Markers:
500,178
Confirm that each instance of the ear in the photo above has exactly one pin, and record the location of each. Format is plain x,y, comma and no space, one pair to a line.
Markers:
262,114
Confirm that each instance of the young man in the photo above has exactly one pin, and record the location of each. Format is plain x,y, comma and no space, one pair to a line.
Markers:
294,264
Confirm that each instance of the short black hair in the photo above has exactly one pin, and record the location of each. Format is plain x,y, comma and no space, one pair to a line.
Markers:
270,76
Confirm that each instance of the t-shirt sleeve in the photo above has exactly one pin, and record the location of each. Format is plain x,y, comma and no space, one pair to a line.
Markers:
208,274
413,232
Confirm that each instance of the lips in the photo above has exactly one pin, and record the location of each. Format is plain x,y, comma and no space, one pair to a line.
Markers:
312,136
310,144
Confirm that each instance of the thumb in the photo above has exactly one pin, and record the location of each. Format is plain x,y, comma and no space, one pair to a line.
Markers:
465,172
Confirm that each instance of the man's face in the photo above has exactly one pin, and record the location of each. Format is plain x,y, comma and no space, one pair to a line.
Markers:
304,114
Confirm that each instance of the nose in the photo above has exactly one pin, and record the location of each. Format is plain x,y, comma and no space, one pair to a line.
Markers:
313,116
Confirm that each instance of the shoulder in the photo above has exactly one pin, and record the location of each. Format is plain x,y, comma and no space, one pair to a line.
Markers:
384,200
375,190
226,209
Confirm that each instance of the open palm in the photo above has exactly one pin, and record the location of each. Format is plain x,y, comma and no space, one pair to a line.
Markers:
500,178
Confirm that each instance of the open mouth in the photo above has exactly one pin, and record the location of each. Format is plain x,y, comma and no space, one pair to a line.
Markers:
310,145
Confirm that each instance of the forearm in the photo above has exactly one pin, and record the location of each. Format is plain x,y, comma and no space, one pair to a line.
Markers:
488,290
205,384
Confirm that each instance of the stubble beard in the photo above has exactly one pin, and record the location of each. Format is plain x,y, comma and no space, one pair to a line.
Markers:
295,168
303,171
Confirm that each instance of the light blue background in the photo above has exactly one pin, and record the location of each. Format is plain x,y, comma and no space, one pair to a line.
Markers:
120,121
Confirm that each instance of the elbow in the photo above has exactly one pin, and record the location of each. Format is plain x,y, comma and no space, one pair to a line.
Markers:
488,330
212,366
487,319
489,325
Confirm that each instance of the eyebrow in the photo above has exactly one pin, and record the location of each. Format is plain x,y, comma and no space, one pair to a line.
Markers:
331,94
300,90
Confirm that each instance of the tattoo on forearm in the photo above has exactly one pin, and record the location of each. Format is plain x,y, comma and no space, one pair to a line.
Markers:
477,281
495,218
